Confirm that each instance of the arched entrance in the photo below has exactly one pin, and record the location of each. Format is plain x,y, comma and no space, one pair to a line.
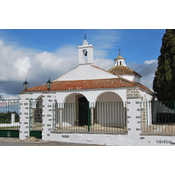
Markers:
110,110
72,113
79,104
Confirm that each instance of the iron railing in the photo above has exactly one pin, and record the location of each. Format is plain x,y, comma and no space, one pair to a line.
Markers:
35,117
9,114
158,117
93,117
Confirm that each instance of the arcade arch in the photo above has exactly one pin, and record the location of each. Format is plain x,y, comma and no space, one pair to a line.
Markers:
109,110
74,111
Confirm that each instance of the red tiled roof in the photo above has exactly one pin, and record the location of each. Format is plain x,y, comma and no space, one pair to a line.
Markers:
87,84
120,70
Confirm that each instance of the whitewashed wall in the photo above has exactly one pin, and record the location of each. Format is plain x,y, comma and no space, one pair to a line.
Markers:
91,95
85,72
134,136
135,78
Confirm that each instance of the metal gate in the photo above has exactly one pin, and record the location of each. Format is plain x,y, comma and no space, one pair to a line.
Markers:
79,117
71,116
9,118
35,119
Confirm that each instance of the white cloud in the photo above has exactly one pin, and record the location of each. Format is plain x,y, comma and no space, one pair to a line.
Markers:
150,61
147,70
105,64
13,63
18,65
23,65
67,51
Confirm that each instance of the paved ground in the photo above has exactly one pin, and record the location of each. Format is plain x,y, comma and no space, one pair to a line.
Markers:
16,142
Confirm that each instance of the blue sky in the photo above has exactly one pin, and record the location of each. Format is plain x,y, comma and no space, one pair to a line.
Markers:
37,54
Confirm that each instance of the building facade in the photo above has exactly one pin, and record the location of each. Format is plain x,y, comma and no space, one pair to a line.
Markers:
106,93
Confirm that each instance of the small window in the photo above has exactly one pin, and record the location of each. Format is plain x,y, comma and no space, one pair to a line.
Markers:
120,63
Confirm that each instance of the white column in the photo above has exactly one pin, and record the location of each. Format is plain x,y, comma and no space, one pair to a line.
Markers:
61,116
92,116
12,118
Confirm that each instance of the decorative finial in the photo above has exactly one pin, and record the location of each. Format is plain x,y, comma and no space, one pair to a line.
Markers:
84,36
119,51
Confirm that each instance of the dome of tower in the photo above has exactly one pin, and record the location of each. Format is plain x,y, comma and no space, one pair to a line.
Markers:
122,70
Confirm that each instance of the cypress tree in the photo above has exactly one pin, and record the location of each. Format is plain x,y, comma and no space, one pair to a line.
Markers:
164,81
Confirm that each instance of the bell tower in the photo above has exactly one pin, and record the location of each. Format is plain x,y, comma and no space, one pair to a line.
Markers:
85,53
119,61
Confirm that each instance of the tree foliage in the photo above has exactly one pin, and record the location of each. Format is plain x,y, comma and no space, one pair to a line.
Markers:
164,81
6,117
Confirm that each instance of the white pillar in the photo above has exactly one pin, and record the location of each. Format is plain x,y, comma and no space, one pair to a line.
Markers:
61,116
134,120
12,118
92,116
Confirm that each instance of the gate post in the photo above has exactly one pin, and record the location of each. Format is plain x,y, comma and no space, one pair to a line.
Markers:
24,116
134,120
47,118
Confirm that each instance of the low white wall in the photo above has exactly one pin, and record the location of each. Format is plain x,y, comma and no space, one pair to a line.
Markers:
113,140
99,139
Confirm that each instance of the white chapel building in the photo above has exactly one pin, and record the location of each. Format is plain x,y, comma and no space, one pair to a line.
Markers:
84,83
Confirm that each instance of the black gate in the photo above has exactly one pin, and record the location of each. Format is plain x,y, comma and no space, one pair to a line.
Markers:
9,118
35,119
